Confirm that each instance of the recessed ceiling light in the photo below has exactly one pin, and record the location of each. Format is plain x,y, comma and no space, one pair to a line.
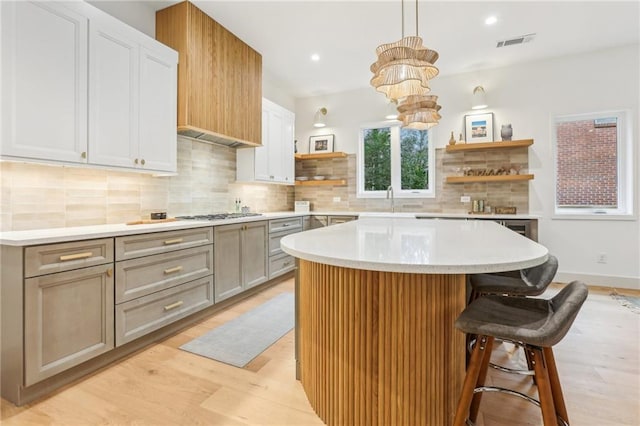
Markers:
491,20
315,57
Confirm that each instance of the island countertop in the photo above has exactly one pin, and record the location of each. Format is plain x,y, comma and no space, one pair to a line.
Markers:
432,246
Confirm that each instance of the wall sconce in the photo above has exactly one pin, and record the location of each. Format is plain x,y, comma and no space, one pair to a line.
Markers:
479,101
318,119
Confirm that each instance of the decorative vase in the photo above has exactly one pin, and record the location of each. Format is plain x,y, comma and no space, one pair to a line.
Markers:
452,140
506,132
461,140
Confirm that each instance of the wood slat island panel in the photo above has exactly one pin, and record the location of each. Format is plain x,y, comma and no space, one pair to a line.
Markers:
380,348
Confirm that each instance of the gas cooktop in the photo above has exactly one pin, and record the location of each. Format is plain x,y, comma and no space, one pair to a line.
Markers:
217,216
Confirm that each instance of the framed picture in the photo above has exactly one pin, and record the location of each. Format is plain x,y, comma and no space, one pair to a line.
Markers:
322,143
478,128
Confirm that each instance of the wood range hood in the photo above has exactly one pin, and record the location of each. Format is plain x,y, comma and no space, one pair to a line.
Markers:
219,78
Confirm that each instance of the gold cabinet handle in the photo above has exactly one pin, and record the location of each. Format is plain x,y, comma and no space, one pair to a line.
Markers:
174,241
76,256
287,263
110,272
143,162
174,305
172,270
83,154
135,161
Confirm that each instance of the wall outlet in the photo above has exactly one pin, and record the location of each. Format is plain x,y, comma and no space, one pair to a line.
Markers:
336,199
465,199
602,258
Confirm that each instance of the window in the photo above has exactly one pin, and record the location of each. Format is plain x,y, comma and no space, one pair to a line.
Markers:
593,165
399,157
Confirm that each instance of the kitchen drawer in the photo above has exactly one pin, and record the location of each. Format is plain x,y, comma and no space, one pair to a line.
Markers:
47,259
334,220
146,275
281,264
274,240
277,225
161,242
146,314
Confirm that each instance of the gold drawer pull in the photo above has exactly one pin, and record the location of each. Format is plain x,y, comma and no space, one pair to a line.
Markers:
172,270
173,305
174,241
287,263
76,256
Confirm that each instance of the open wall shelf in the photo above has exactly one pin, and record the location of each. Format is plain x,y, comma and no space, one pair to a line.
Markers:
489,145
499,178
320,155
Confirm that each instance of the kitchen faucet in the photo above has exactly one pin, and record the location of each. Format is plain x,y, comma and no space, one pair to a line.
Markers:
390,190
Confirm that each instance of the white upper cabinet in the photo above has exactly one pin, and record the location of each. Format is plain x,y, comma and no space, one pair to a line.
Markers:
274,161
44,82
128,78
133,98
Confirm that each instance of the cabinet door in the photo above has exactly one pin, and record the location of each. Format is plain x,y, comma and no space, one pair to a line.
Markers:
262,153
44,82
274,148
287,172
158,105
227,248
113,93
68,319
255,266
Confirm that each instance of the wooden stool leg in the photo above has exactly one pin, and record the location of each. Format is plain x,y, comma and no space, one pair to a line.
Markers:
483,346
475,402
549,417
556,389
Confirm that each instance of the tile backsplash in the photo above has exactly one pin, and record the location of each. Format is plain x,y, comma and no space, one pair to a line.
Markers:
447,199
35,196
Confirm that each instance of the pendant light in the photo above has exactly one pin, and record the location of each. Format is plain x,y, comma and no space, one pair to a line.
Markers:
419,112
404,67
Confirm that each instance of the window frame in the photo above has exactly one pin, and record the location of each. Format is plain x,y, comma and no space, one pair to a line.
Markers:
625,170
396,181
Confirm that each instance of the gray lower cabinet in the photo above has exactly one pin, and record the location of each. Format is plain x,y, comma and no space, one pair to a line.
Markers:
68,319
240,258
146,314
161,277
334,220
313,222
279,261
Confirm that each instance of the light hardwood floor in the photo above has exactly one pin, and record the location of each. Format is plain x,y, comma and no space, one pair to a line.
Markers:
598,361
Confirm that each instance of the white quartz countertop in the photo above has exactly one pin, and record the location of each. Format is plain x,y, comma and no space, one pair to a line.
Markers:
417,246
58,235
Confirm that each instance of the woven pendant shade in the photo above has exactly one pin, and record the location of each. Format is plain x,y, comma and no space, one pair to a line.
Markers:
419,112
404,68
402,72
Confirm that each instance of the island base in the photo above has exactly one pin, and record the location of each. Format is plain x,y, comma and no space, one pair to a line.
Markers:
380,348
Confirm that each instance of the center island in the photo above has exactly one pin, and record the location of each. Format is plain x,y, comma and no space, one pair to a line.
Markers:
376,302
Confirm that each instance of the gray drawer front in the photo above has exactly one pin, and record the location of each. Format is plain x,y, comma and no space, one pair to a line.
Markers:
289,223
146,314
50,258
161,242
334,220
274,240
281,264
146,275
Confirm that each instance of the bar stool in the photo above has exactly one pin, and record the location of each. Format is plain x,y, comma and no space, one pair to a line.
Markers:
529,282
537,324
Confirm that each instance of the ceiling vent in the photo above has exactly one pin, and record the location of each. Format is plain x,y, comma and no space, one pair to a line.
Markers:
516,40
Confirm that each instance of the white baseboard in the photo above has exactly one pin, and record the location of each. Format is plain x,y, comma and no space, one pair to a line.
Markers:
599,280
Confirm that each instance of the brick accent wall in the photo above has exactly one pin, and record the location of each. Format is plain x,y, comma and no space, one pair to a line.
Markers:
586,164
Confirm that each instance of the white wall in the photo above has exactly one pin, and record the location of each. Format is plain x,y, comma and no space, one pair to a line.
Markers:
528,96
138,14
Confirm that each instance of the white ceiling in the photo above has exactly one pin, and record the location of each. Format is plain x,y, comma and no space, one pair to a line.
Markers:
346,33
